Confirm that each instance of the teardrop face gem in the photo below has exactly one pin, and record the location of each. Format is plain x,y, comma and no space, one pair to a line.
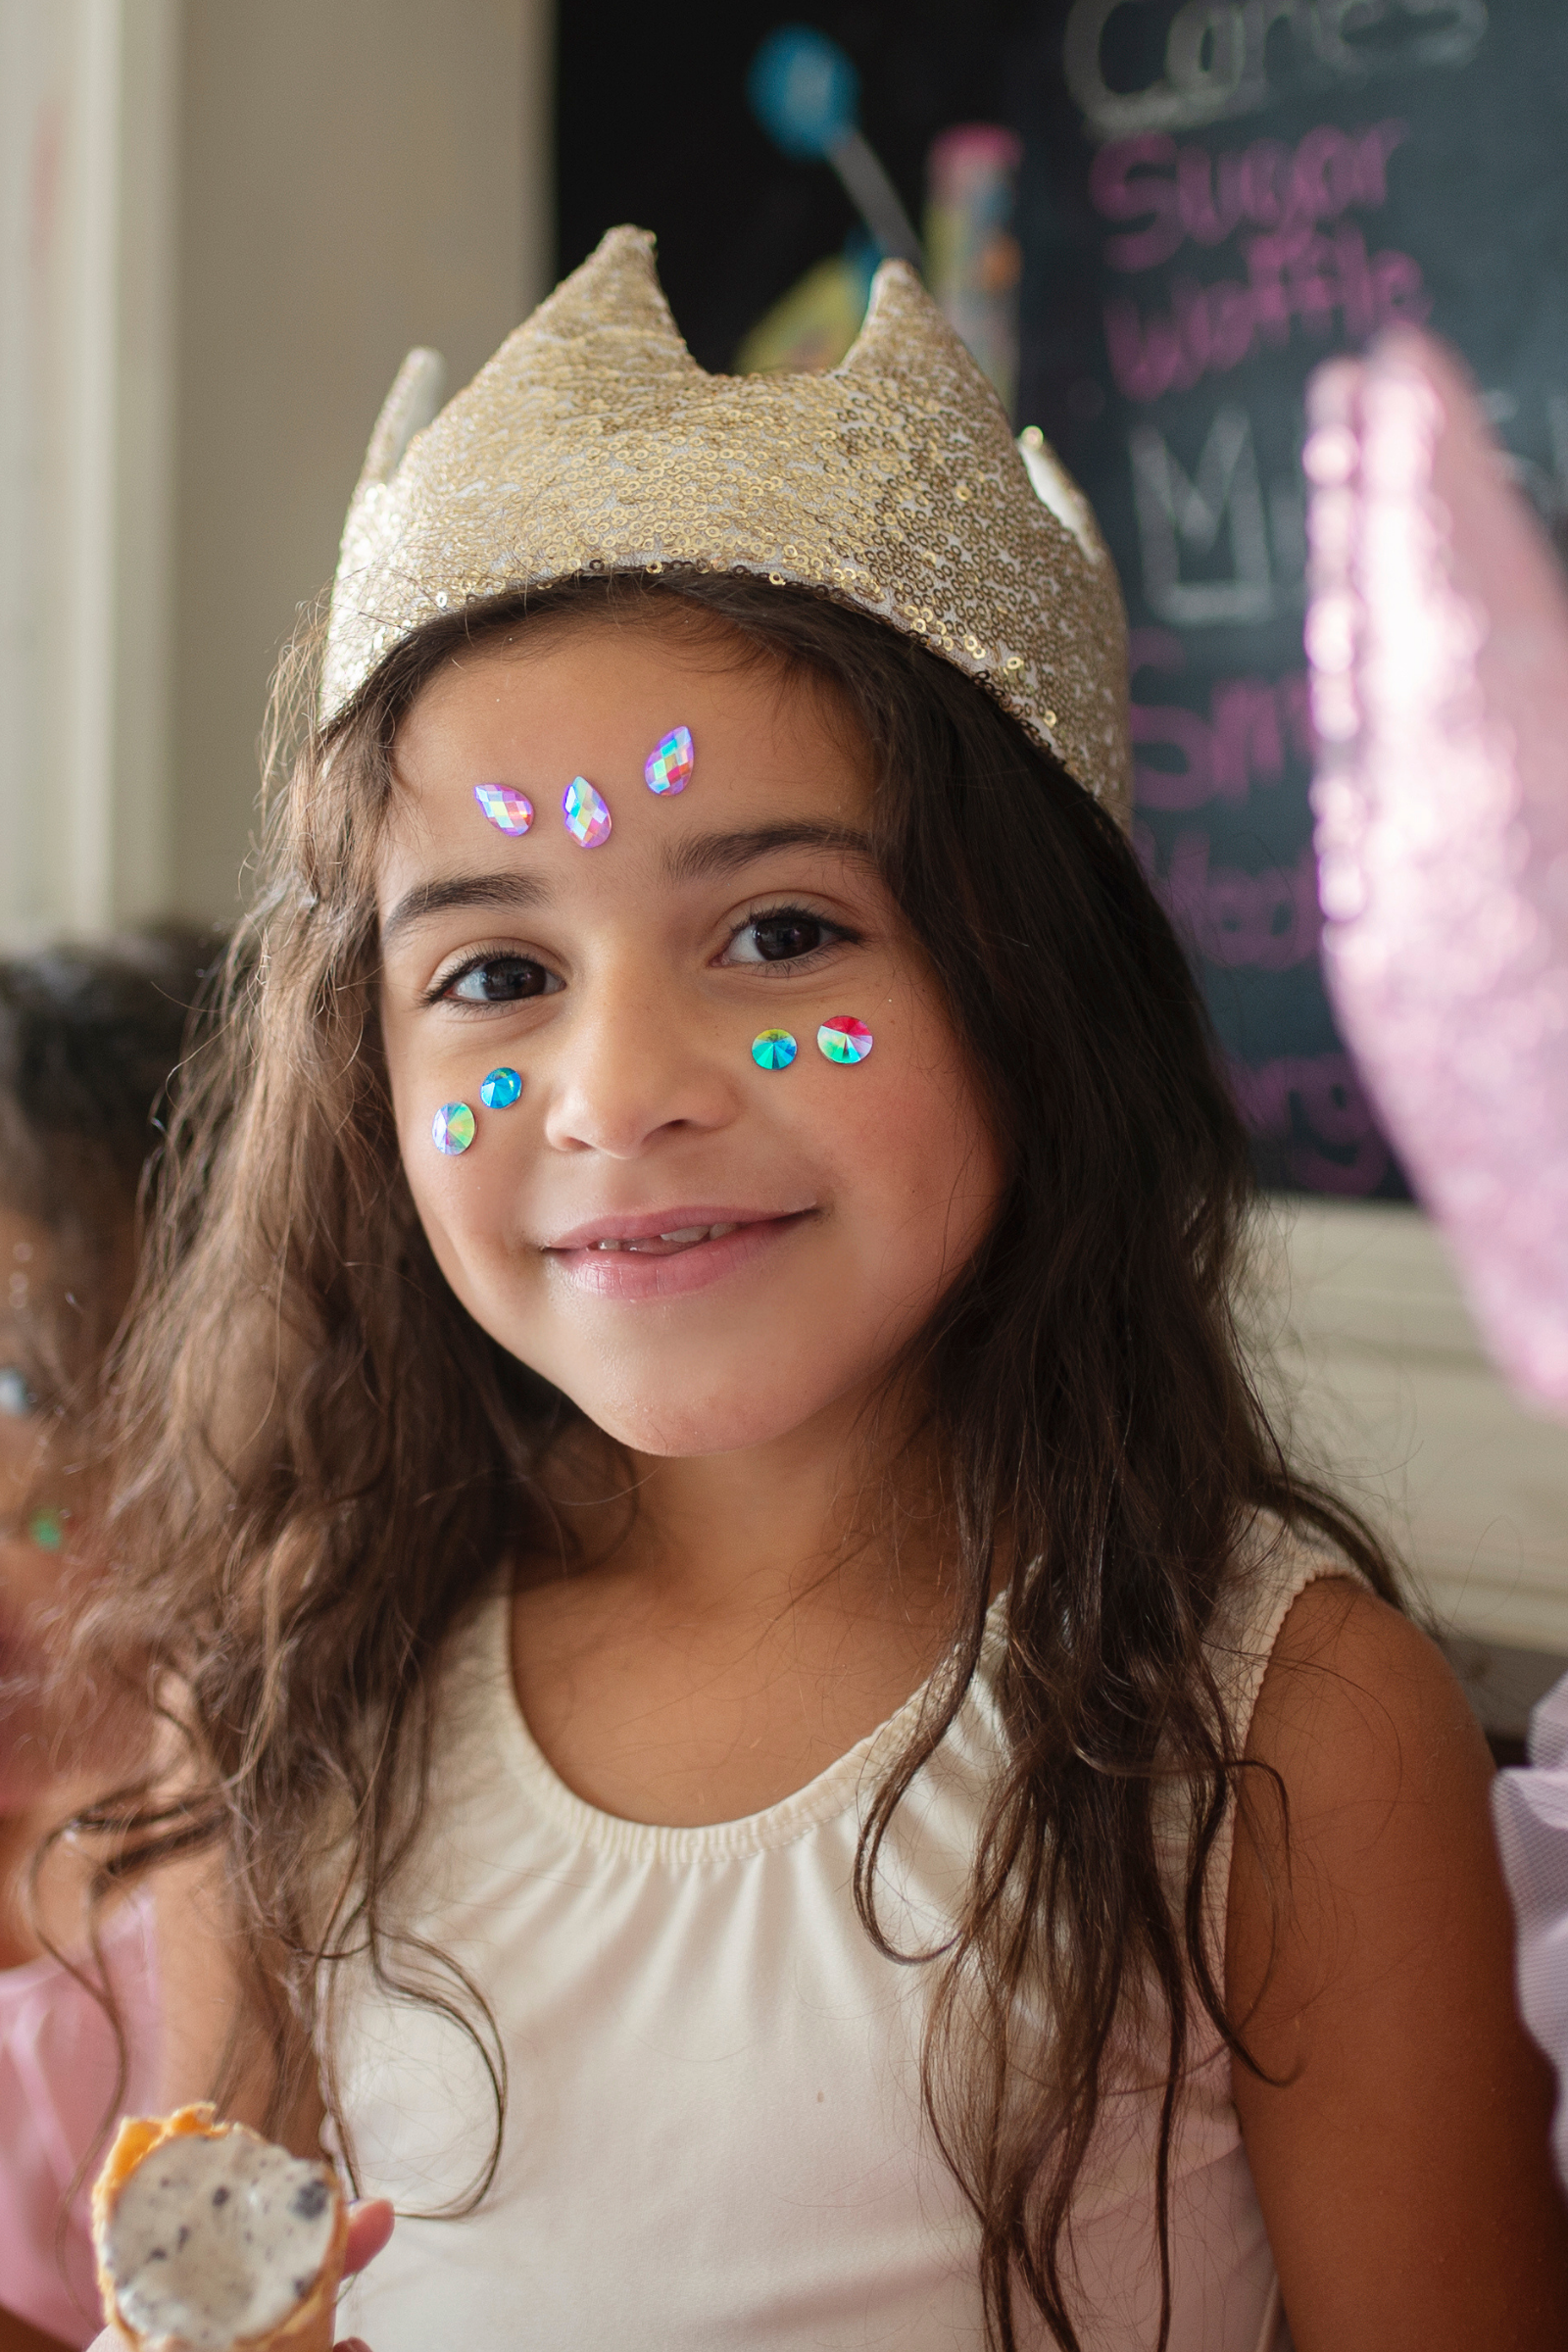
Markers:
501,1089
844,1039
773,1049
509,811
668,765
452,1128
587,817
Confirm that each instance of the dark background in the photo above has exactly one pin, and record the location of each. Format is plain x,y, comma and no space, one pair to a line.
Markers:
655,129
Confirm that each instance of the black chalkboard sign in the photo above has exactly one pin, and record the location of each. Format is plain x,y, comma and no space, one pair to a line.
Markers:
1217,195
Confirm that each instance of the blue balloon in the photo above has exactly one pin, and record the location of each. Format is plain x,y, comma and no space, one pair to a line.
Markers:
803,91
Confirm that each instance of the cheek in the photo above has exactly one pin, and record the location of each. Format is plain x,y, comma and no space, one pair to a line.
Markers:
908,1130
466,1199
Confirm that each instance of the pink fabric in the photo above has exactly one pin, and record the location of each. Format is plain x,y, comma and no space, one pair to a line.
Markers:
57,2079
1438,637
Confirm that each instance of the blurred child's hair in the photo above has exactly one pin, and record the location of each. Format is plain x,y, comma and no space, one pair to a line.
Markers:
327,1460
90,1040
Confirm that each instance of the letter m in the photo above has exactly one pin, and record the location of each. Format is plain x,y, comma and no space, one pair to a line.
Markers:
1183,516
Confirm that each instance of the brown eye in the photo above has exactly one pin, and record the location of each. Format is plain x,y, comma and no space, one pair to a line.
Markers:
785,936
502,980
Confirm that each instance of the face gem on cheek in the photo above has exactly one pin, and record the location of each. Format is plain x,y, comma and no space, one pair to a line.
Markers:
586,814
509,811
669,763
773,1050
501,1089
844,1039
452,1128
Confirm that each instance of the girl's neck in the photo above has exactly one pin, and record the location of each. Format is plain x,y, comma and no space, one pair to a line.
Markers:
757,1532
740,1622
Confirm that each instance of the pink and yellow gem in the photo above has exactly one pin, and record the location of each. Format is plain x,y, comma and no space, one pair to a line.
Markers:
586,813
668,765
509,811
844,1039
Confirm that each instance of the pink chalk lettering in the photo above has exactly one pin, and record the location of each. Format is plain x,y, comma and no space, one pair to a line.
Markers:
1297,274
1252,723
1326,1092
1295,715
1168,724
1205,221
1117,196
1248,740
1269,921
1184,192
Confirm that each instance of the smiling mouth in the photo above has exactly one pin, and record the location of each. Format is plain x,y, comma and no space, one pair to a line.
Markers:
669,1245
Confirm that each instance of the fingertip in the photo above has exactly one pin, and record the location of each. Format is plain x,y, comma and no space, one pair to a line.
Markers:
370,2222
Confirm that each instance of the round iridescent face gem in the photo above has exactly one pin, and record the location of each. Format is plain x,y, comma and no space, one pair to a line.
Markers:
668,765
452,1128
844,1039
509,811
501,1089
773,1049
587,817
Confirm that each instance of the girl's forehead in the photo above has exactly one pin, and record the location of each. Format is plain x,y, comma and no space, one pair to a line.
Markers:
597,705
594,678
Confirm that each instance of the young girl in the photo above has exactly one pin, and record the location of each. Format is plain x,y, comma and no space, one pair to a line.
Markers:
783,1758
88,1042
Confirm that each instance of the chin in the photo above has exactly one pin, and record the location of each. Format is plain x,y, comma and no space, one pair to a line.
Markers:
682,1422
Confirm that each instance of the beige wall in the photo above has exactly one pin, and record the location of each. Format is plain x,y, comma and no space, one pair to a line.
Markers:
355,176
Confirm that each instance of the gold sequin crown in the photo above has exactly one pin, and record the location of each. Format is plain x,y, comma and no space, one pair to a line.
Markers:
592,442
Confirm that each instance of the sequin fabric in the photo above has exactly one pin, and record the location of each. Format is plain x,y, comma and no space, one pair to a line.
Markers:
592,442
1438,637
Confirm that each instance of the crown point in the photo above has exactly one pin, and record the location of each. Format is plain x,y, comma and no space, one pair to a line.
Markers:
411,404
609,301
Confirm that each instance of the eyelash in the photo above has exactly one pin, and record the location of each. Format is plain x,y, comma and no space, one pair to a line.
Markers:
441,988
789,911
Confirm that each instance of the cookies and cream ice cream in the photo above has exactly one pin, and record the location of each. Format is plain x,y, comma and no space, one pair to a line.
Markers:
209,2239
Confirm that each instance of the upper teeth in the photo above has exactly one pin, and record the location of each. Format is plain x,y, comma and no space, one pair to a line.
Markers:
686,1232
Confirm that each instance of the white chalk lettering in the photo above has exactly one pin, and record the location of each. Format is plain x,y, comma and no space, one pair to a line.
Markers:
1178,511
1226,58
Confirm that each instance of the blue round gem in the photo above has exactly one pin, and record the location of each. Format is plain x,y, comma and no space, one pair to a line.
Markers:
773,1050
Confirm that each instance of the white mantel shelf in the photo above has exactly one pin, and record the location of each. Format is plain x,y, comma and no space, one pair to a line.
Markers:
1383,1378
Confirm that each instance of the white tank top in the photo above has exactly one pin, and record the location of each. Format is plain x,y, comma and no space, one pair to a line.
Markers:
714,2135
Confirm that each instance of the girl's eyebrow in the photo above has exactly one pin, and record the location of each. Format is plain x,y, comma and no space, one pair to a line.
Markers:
462,889
703,855
696,859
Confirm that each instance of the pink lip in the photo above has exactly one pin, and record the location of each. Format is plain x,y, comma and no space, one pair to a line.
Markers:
618,1274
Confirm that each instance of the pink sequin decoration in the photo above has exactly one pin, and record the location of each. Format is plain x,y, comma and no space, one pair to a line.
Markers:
1438,635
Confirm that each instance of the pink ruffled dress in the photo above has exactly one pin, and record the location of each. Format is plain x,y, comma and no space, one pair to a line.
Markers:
1438,636
57,2070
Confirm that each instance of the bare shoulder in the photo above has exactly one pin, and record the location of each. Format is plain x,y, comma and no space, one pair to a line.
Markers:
1359,1701
1396,2115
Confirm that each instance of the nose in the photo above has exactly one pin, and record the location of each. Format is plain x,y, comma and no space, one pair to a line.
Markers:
635,1068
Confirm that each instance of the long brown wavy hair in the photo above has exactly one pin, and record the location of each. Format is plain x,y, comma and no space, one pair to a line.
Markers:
326,1458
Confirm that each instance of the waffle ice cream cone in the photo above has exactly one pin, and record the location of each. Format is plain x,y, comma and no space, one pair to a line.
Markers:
210,2240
